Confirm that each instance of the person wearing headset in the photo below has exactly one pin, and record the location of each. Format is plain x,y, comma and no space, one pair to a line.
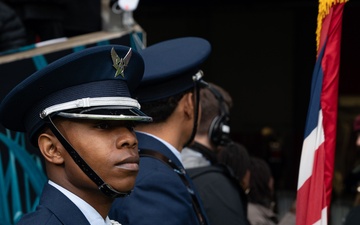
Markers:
219,190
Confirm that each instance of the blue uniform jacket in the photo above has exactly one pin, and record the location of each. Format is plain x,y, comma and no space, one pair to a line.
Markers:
159,196
54,209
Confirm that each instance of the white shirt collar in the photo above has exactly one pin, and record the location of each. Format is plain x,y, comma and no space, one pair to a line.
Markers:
172,148
89,212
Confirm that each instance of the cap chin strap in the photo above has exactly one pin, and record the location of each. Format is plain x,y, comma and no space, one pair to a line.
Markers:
198,83
103,187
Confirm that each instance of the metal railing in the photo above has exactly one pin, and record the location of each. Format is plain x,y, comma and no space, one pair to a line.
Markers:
21,178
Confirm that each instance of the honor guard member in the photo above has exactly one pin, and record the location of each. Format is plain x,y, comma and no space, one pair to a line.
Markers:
79,112
169,92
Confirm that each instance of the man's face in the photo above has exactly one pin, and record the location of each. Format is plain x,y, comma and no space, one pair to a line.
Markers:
110,148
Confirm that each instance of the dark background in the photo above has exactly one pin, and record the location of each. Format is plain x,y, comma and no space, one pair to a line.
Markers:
263,53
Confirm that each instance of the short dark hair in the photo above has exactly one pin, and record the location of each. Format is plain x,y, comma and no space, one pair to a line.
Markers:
161,109
235,156
210,107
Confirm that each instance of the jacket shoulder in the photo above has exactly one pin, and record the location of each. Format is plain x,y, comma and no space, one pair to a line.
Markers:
206,170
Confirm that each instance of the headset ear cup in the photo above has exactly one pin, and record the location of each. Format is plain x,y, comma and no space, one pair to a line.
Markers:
219,132
224,129
214,131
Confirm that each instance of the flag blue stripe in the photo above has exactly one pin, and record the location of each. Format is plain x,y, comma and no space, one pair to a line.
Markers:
315,104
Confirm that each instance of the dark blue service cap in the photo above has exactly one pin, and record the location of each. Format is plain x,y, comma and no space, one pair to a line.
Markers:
170,67
95,83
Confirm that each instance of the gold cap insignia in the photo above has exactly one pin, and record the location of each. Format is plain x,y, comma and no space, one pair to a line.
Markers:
120,63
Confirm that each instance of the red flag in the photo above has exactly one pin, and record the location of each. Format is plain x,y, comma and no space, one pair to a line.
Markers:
318,151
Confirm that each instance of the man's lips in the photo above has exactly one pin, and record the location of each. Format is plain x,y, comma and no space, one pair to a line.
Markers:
130,163
129,166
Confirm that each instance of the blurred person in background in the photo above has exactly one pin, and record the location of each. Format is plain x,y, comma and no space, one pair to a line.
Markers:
51,19
353,179
213,130
219,190
262,196
12,30
43,20
236,157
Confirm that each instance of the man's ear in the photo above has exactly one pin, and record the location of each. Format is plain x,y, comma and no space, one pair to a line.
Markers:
50,148
189,104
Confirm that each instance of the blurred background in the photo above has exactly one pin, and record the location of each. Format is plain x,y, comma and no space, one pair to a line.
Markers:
264,54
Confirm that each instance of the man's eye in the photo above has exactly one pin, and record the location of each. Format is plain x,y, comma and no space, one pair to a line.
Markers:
103,126
109,125
131,126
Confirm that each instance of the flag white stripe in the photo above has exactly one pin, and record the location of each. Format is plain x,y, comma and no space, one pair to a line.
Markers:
310,145
323,220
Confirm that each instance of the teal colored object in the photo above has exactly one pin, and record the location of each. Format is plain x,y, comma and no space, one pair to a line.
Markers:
39,61
21,178
137,41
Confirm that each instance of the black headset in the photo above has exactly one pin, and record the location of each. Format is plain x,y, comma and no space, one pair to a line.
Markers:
219,131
